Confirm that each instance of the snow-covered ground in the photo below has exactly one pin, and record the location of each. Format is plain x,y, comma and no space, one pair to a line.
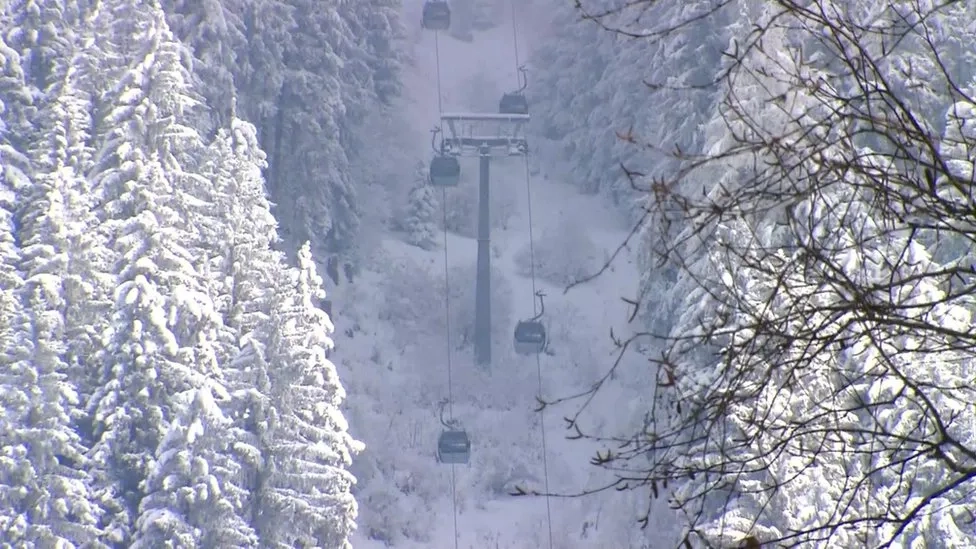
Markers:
393,347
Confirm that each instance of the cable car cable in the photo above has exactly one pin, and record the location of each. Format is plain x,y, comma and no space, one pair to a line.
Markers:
450,381
437,57
515,39
447,300
538,361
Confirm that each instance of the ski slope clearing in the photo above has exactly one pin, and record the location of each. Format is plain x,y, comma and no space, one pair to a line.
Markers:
393,344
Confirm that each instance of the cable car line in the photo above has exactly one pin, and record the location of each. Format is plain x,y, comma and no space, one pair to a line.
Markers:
437,57
535,292
538,361
453,445
518,65
530,335
450,381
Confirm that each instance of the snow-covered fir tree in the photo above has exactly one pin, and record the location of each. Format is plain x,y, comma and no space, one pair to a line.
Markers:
304,495
153,332
244,233
192,499
420,217
214,32
159,343
43,33
45,479
54,295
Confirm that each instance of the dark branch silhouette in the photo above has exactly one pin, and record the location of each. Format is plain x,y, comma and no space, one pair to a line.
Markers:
823,393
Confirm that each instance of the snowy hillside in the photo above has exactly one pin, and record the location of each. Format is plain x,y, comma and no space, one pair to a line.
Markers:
392,339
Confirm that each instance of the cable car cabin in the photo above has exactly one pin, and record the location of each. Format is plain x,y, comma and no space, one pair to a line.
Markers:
454,447
530,337
513,103
437,15
445,171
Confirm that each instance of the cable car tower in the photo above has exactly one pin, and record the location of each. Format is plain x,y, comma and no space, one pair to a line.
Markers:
483,135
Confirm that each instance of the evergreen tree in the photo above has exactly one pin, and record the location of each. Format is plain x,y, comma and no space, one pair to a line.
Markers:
304,498
45,482
159,343
260,73
51,385
323,202
420,219
16,117
43,33
245,238
62,153
214,33
189,502
378,27
146,360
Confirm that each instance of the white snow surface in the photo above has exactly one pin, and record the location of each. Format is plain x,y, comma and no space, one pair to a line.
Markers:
395,368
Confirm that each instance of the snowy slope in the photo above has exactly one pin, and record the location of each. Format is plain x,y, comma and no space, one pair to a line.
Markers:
393,347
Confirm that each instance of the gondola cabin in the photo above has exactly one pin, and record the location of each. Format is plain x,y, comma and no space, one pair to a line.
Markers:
436,16
445,171
513,103
454,446
530,337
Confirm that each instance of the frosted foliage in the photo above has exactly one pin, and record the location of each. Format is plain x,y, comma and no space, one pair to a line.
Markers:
16,101
958,142
309,166
67,122
187,503
398,498
412,291
420,220
563,255
45,494
9,254
61,249
588,84
43,37
821,356
957,148
214,33
307,497
160,315
825,410
244,232
151,98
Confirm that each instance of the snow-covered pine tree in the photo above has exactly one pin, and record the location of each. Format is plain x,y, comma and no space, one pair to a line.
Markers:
304,495
310,172
45,481
246,259
420,217
14,164
145,361
160,342
260,72
16,116
62,153
43,33
214,33
188,503
378,26
56,253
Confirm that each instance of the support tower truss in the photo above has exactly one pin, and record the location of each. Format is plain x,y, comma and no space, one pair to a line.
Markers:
467,134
